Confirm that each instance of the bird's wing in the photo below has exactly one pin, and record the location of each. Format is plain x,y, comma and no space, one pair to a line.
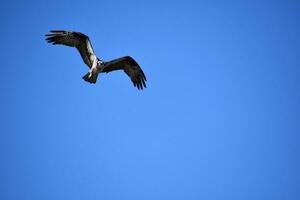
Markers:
74,39
130,67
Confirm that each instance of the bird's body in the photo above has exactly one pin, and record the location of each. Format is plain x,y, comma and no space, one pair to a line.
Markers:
96,65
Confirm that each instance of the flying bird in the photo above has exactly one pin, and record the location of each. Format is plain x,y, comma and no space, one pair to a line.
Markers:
82,43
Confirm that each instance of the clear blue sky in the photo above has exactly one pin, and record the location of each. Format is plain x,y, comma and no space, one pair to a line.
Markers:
219,119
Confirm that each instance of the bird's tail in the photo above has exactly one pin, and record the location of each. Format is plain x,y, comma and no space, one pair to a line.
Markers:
91,78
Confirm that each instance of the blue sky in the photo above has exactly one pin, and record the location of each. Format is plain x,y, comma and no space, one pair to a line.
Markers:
218,120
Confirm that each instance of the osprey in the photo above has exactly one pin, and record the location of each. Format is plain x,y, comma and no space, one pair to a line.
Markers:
82,43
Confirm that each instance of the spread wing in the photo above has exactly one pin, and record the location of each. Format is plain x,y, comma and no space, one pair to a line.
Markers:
74,39
130,67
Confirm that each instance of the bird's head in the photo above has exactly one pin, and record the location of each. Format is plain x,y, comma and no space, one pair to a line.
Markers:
100,62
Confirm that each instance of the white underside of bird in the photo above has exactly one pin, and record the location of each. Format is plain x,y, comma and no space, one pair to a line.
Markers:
97,67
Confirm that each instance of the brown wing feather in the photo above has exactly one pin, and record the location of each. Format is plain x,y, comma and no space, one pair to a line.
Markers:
130,67
73,39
